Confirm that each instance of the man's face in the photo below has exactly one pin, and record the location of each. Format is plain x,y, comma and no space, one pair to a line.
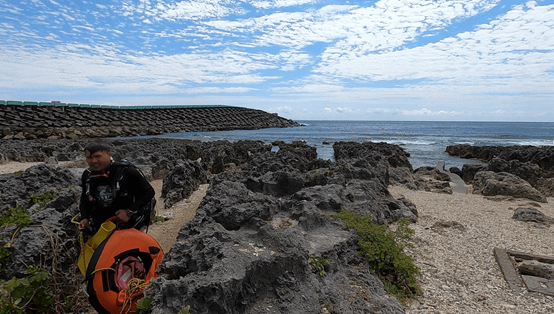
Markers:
99,160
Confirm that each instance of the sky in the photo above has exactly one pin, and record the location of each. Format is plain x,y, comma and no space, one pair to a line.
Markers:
389,60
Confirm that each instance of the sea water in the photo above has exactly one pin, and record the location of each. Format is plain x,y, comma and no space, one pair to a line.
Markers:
425,141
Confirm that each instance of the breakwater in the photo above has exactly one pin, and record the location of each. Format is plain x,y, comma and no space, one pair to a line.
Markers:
31,120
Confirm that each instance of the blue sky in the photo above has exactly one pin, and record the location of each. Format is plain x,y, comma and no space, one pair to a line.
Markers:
453,60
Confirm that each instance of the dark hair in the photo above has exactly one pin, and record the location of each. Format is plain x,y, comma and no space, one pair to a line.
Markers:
94,147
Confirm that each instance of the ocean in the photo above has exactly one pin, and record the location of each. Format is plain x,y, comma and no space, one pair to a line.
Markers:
425,141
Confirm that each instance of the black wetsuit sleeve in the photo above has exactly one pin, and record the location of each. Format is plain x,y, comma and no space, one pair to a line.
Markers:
140,188
85,207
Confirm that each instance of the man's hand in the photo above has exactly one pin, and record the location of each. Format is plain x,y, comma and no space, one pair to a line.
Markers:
83,224
122,215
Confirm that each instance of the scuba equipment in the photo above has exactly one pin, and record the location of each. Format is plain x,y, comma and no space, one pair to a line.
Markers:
88,248
117,264
120,269
117,187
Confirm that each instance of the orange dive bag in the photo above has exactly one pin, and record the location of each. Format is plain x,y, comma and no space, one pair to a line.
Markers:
119,270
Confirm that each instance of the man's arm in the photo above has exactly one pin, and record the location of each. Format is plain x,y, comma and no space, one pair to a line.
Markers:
84,205
140,188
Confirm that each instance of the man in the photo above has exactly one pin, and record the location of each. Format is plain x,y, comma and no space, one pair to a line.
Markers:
113,189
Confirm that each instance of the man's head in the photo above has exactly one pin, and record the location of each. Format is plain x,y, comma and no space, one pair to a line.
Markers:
98,155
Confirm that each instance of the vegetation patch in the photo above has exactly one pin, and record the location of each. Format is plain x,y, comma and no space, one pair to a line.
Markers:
18,216
384,251
43,198
5,254
28,294
143,305
319,263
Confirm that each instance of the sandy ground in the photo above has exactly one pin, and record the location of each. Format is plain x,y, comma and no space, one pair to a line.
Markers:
459,271
12,166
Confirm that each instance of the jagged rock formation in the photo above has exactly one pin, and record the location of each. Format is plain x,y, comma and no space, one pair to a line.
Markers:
534,164
248,248
34,121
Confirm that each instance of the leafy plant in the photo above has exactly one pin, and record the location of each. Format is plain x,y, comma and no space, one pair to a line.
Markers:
18,173
384,251
5,254
185,310
44,198
319,264
143,305
27,294
18,216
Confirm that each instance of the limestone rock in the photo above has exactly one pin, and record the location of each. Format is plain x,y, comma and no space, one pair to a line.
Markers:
492,183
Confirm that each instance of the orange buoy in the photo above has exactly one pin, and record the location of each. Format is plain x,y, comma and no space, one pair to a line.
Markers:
119,270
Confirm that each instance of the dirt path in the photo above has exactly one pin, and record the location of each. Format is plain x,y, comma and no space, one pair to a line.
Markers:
177,216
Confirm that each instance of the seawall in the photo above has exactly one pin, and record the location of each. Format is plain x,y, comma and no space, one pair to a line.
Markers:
31,120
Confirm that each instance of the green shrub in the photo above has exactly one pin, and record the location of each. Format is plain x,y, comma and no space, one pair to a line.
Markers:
44,198
319,264
26,294
384,251
18,216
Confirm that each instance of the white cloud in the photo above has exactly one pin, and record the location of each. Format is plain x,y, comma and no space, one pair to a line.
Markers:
399,58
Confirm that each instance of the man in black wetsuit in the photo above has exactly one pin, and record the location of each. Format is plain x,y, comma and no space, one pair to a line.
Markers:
113,189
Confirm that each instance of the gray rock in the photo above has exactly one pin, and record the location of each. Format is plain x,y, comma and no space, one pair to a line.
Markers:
491,183
530,215
536,268
182,181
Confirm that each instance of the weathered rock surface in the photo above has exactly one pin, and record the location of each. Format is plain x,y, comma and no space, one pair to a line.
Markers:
535,164
531,215
536,268
258,227
248,248
502,183
182,181
16,189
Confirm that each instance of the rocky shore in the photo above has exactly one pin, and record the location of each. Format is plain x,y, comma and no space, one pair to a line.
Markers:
265,213
55,121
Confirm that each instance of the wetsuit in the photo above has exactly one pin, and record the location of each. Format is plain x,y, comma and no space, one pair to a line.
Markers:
120,186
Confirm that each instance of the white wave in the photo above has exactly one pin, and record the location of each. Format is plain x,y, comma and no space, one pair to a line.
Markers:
534,143
410,142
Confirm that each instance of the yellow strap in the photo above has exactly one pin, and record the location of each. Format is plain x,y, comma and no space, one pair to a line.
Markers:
100,269
133,286
74,219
